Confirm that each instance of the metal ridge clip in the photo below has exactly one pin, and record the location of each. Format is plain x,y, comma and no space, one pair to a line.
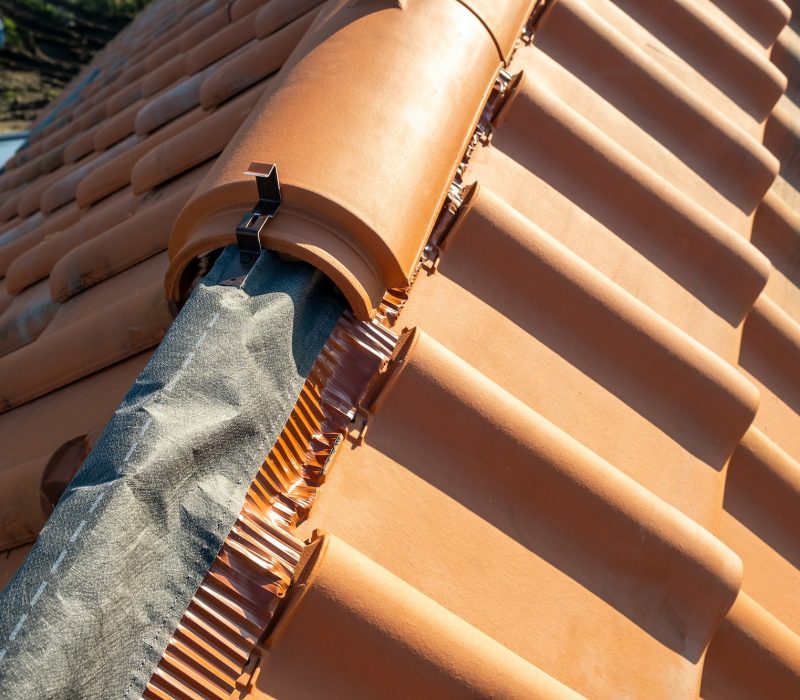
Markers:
248,232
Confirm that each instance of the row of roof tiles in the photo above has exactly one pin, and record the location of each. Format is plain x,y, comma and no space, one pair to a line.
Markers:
600,466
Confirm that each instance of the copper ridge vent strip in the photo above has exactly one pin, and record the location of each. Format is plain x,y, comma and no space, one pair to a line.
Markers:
209,652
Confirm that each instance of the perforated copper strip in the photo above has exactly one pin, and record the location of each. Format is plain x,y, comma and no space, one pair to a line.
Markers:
239,595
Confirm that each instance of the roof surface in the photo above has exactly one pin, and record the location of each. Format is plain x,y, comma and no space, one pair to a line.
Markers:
582,473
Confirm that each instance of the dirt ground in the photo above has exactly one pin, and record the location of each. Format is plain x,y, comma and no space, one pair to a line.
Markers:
46,43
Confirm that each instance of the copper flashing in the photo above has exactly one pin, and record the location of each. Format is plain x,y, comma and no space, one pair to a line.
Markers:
211,648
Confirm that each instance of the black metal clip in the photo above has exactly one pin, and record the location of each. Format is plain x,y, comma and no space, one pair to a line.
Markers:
248,232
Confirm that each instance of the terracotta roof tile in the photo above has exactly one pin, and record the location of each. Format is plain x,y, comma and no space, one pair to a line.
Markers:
171,103
745,74
204,139
256,61
117,127
644,90
277,14
101,335
583,279
347,603
122,245
10,249
35,263
220,44
64,188
26,317
81,146
773,665
15,236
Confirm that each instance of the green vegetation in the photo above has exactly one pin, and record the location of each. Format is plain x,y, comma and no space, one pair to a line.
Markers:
47,42
12,34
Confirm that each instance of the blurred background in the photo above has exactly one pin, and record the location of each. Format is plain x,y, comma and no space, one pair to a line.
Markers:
43,44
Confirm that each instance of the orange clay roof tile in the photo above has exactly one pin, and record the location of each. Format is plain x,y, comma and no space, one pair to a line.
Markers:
81,146
772,668
64,188
382,251
760,522
276,14
346,603
166,74
254,62
122,99
12,249
203,140
8,209
597,391
121,246
117,127
220,44
171,103
102,335
741,71
26,317
35,263
625,75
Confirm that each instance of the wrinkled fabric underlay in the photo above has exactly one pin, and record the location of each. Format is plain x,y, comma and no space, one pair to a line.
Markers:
90,612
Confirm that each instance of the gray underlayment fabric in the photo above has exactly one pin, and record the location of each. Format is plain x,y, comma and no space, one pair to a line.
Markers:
91,610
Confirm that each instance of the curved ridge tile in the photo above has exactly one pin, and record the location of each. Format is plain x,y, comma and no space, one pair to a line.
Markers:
723,270
742,72
504,19
345,603
619,70
752,655
335,213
